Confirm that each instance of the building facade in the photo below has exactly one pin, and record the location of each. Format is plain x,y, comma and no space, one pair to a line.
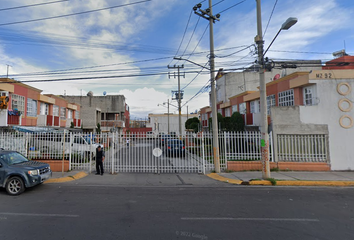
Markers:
110,112
26,106
168,123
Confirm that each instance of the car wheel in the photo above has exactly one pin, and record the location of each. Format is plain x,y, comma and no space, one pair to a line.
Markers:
15,186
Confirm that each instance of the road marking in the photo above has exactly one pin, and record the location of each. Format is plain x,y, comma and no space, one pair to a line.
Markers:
39,215
252,219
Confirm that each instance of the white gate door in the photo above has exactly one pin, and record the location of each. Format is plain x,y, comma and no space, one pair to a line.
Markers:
173,154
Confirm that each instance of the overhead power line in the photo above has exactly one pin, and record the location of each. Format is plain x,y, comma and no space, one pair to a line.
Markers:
73,14
232,6
271,14
92,78
31,5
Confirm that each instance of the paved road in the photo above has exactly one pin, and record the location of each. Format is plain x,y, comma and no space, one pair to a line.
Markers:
81,210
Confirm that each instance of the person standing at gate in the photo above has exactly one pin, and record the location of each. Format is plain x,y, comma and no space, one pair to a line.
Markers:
127,142
99,160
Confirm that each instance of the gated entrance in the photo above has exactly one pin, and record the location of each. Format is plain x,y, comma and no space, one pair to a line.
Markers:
163,154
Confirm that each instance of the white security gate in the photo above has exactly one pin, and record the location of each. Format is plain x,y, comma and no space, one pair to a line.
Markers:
160,154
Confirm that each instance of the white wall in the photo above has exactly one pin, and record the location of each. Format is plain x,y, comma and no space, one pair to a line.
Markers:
3,118
159,122
328,112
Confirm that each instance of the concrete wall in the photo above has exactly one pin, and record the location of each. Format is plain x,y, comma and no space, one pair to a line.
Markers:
92,107
159,122
234,83
324,118
328,112
3,118
286,120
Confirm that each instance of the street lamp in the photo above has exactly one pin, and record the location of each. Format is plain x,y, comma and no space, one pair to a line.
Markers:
180,59
262,85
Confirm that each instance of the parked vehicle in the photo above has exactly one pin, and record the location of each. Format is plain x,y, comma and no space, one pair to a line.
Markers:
55,143
18,173
164,138
160,135
175,147
150,135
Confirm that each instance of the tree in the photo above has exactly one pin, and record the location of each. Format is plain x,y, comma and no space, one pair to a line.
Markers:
192,123
98,128
237,122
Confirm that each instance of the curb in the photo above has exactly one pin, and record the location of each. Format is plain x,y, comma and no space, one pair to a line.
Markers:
67,179
217,177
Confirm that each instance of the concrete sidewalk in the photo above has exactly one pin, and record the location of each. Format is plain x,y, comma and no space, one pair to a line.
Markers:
288,178
285,178
136,179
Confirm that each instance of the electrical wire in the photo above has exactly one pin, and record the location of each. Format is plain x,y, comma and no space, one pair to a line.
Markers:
275,4
247,47
195,77
198,42
73,14
32,5
202,90
184,34
217,3
190,39
92,78
232,6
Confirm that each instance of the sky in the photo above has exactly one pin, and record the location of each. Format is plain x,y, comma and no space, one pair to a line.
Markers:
125,46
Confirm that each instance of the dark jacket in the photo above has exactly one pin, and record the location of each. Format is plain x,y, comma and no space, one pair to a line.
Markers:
99,155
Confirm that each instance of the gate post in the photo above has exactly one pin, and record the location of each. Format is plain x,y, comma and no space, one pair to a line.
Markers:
113,151
90,156
26,144
203,158
70,148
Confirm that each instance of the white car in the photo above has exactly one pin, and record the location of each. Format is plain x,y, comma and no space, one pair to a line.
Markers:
150,135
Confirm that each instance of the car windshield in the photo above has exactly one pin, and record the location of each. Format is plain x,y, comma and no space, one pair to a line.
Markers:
12,158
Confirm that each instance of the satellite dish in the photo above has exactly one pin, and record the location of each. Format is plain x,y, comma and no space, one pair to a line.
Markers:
276,77
90,94
104,93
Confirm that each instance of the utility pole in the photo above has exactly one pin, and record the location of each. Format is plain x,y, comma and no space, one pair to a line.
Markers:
187,112
7,73
263,97
208,14
179,93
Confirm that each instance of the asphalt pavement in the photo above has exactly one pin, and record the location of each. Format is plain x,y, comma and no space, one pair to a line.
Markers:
99,207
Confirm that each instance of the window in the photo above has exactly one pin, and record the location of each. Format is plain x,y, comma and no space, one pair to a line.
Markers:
234,108
44,109
286,98
31,107
70,114
56,110
242,108
227,112
309,95
220,111
18,102
255,106
77,114
62,112
270,102
4,93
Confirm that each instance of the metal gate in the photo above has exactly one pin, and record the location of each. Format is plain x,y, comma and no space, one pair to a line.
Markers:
153,154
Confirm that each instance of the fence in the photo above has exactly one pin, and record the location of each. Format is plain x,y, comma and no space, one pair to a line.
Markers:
196,155
302,148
